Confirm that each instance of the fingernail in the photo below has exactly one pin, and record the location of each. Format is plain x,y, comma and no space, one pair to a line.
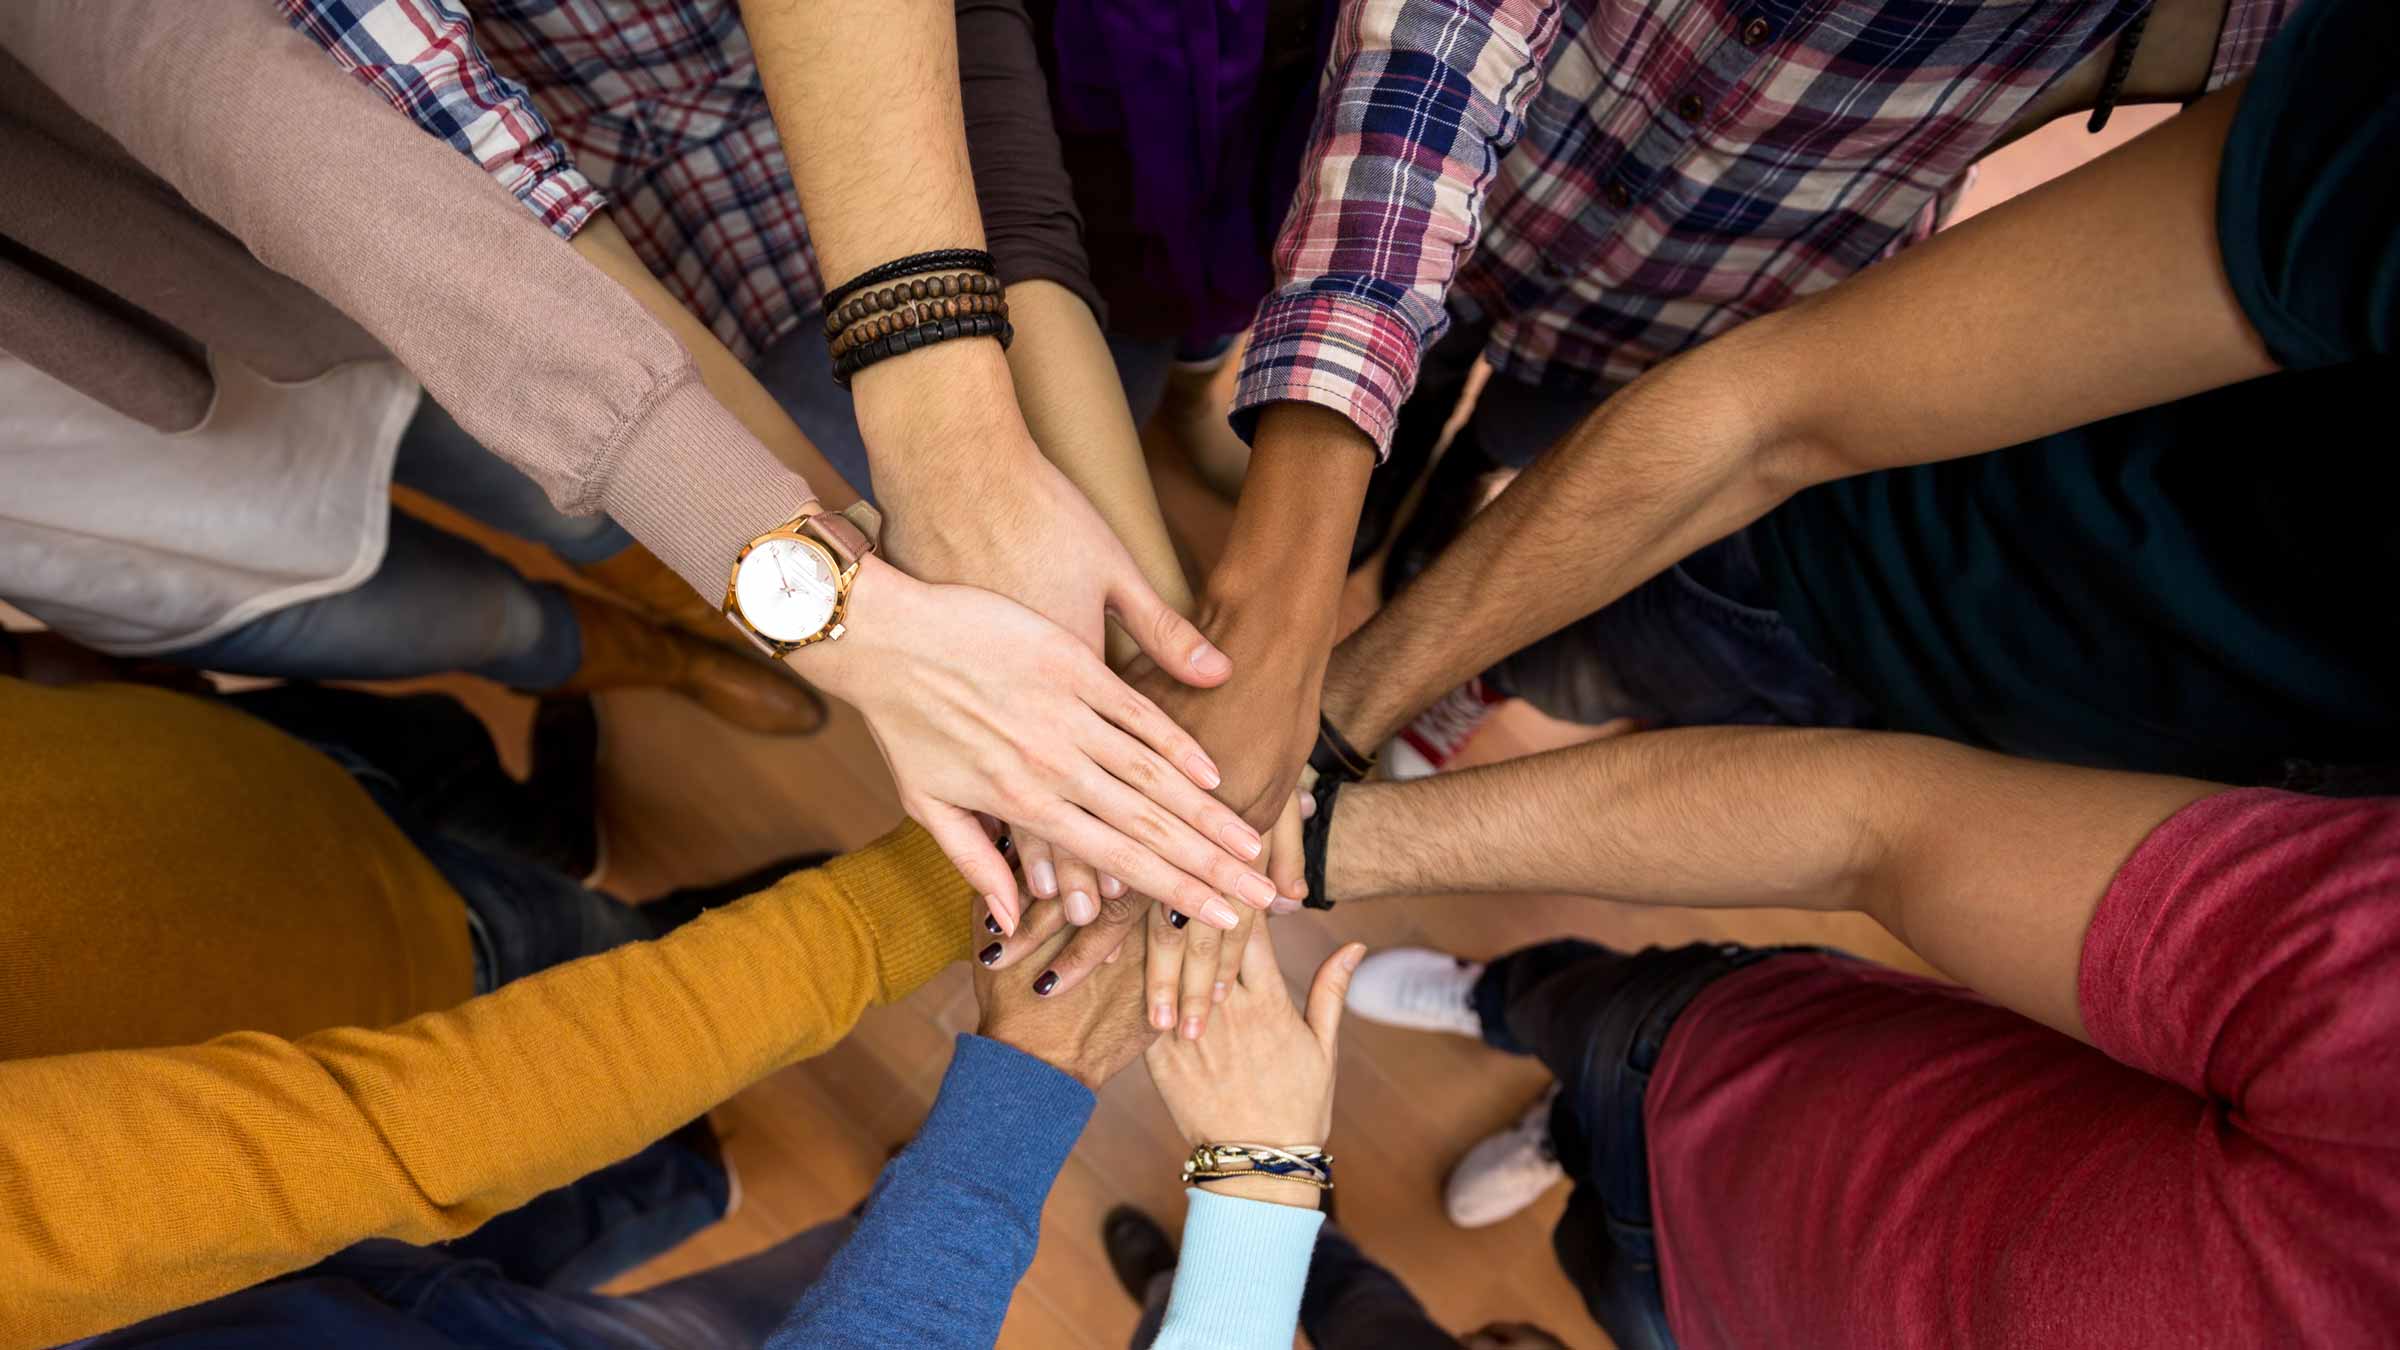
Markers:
989,954
1111,958
1081,908
1163,1016
1220,914
1047,982
1111,887
1256,889
1208,661
1242,840
991,925
1219,995
1007,921
1284,905
1044,878
1308,805
1203,770
1176,918
1352,957
1191,1028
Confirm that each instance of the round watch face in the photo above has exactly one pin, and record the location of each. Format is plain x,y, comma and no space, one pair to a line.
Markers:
787,589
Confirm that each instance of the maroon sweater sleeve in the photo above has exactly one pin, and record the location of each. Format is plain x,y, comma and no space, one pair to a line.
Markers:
1842,1155
1028,203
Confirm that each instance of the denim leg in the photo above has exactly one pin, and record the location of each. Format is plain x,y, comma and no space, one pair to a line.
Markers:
740,1303
438,458
1692,646
437,604
1351,1303
797,373
588,1232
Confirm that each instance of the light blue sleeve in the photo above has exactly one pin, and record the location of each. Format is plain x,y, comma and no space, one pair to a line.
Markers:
1239,1276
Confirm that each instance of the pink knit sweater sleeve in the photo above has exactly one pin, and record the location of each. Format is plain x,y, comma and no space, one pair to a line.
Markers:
539,355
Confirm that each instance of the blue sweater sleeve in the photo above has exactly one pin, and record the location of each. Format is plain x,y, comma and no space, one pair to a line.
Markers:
953,1220
1238,1280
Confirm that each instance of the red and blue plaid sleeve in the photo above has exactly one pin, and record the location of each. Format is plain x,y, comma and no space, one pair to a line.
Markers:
421,56
1421,100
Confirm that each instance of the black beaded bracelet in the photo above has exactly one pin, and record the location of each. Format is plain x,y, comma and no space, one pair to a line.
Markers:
923,335
1316,837
936,260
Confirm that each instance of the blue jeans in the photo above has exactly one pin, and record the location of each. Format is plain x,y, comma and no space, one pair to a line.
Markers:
1692,646
438,603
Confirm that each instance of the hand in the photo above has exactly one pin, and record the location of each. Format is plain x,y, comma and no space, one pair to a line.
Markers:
980,705
1090,1035
1265,1073
1261,723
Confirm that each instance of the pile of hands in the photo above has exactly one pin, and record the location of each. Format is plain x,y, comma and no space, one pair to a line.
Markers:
1264,1073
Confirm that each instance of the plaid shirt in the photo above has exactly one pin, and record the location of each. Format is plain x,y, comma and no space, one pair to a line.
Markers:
1643,174
659,100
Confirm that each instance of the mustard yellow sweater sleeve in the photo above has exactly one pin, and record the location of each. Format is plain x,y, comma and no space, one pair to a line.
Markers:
135,1182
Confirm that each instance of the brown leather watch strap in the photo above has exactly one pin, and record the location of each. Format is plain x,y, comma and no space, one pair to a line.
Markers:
849,543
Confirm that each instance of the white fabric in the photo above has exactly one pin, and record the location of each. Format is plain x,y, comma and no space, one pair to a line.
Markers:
136,541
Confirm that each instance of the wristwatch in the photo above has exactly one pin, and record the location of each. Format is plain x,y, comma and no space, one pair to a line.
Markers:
791,585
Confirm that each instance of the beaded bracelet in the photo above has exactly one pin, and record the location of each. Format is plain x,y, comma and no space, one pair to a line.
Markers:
1220,1162
919,289
914,314
867,353
915,264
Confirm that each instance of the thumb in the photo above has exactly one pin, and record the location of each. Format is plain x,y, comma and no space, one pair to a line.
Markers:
1165,636
971,852
1326,992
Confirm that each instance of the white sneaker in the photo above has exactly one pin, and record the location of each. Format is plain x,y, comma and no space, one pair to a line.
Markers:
1503,1175
1427,745
1417,988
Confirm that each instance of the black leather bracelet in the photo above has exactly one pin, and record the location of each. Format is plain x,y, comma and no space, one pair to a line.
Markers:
884,348
1316,834
935,260
1334,756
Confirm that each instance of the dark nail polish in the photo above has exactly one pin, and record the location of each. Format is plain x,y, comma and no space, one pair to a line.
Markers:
1178,918
991,925
989,954
1046,983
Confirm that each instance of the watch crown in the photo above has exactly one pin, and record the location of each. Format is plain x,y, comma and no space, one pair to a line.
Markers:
836,634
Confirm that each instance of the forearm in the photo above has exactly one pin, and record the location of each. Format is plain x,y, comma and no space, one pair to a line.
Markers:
1668,465
1987,866
604,246
1289,548
1067,387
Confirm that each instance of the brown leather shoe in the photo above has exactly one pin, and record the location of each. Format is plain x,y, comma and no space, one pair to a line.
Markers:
623,650
657,590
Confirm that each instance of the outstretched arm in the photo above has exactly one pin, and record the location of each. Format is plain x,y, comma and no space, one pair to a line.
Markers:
1987,866
2099,293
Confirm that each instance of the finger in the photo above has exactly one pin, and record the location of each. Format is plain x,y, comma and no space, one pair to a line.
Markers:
1195,996
1326,992
1118,702
1287,858
1168,637
1041,872
1110,887
1079,889
1088,835
962,839
1042,922
1094,945
1260,973
1146,774
1163,963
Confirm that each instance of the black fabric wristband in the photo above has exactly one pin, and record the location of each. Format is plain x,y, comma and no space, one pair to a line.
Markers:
884,348
1334,756
1316,833
937,260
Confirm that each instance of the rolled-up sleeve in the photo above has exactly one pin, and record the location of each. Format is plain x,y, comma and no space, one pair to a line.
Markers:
421,57
1422,98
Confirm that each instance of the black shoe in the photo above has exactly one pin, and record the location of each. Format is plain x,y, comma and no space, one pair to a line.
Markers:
1453,493
1138,1249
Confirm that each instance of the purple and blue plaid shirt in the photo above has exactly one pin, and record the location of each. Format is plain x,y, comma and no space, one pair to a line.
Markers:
1610,182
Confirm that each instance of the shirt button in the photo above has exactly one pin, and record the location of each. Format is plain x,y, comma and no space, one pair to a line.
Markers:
1690,108
1756,32
1619,197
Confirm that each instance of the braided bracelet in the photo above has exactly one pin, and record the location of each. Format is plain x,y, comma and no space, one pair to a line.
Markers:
915,264
1219,1162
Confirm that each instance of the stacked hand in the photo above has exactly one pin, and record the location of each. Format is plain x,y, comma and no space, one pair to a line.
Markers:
1090,1036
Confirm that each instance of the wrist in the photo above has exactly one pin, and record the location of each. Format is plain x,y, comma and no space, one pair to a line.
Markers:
939,408
873,614
1288,552
1270,1189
